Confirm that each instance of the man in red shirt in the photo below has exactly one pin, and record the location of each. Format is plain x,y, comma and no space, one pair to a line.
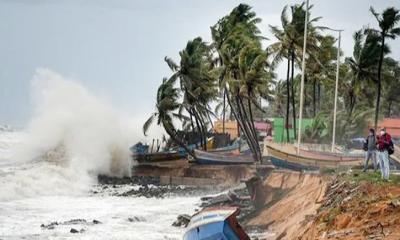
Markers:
382,144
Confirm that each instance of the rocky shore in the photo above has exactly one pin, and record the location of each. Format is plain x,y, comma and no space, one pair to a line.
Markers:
147,186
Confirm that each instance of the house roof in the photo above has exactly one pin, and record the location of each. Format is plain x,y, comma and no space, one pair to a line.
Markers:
262,126
392,126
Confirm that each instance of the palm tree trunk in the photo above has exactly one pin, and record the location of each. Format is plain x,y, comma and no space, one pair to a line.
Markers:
198,128
319,97
223,113
287,100
293,100
176,139
191,121
247,130
314,98
390,109
378,98
202,129
251,130
254,129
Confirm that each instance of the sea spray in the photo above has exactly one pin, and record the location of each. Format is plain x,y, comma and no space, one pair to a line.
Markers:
72,137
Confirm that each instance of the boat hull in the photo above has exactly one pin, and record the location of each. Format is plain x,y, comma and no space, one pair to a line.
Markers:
159,157
218,223
207,158
309,160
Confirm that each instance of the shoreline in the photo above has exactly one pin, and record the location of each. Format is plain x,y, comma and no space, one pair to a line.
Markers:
292,206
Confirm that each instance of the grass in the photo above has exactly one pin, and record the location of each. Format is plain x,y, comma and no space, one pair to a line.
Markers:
372,177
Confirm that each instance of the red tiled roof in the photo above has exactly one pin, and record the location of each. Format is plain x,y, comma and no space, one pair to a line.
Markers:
392,126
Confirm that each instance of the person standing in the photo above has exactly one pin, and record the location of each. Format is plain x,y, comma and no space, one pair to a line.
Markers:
383,144
370,150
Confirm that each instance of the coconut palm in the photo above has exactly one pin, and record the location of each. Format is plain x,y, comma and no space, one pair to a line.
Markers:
220,32
362,67
391,90
197,81
241,60
289,46
166,107
388,28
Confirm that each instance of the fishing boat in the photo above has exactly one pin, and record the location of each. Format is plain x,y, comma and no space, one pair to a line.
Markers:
159,156
234,147
217,158
217,223
285,156
140,153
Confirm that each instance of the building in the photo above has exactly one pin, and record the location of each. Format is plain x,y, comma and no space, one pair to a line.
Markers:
231,127
279,129
392,126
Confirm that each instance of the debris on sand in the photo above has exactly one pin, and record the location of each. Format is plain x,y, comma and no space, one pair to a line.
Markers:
358,206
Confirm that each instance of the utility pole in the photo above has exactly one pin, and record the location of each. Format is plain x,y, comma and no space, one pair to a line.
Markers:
303,66
336,90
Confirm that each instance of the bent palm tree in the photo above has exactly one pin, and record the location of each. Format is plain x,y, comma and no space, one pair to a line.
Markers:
166,106
387,21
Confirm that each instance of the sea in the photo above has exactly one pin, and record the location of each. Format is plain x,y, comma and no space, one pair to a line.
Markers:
49,169
43,191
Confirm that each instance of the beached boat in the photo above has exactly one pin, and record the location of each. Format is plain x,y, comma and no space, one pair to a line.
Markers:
285,156
234,147
140,152
218,158
159,156
218,223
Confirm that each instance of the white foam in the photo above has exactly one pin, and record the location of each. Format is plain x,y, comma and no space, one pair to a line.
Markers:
72,137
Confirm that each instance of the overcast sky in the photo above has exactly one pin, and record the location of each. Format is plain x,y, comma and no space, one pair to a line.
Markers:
116,48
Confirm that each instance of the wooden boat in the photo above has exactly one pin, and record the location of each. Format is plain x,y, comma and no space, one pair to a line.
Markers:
234,147
285,156
159,156
210,158
215,224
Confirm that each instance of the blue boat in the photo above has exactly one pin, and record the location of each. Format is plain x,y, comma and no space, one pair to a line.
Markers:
211,158
217,223
140,153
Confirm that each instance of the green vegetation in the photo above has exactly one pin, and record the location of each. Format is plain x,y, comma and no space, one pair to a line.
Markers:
371,177
235,72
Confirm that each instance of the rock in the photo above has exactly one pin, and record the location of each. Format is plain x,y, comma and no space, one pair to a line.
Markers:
73,230
136,219
395,203
50,226
96,221
182,220
74,221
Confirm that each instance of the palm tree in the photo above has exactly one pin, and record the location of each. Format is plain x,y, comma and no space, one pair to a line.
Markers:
391,91
197,81
320,69
289,46
220,32
166,107
241,60
362,66
387,21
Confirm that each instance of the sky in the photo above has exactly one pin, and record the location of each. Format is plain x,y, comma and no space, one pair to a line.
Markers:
116,49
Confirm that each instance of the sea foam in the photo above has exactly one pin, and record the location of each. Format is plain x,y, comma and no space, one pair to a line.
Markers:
72,137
